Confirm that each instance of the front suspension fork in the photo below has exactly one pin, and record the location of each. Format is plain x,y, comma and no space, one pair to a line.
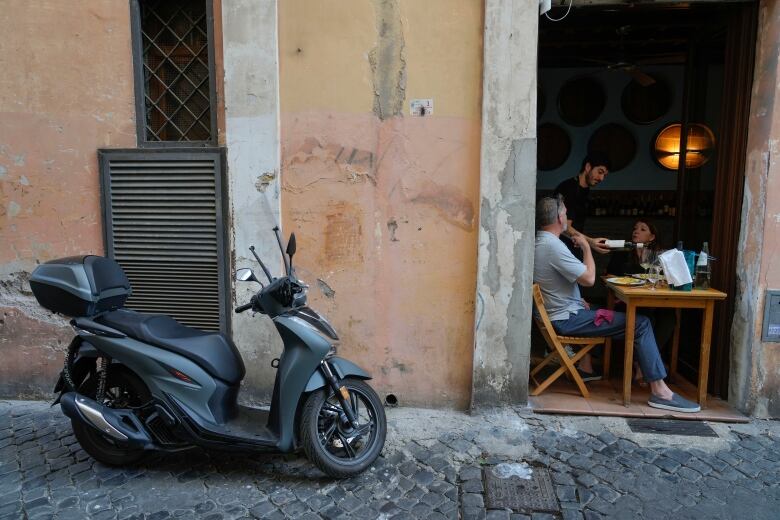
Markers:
341,393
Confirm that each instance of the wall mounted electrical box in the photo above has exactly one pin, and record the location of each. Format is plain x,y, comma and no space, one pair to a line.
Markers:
771,330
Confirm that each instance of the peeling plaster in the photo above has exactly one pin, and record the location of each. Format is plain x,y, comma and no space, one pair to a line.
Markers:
354,165
13,209
325,288
507,187
15,293
392,226
395,365
493,274
264,180
387,61
451,204
32,352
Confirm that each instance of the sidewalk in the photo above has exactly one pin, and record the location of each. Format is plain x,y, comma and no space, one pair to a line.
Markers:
431,468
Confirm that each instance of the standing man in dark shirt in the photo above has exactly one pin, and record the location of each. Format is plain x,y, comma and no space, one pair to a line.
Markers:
576,194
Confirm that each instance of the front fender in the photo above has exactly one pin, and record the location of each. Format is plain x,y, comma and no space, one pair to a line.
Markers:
343,368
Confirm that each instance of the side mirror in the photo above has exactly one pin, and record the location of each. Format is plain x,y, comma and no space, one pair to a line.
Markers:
245,275
291,245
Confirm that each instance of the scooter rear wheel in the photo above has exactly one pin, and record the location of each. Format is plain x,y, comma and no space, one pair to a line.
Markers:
329,440
123,389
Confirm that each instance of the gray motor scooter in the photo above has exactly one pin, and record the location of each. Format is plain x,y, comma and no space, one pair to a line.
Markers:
137,382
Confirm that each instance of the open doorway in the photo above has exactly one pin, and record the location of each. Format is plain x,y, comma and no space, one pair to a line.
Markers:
622,79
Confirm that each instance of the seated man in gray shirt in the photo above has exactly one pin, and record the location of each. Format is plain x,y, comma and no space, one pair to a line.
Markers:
558,273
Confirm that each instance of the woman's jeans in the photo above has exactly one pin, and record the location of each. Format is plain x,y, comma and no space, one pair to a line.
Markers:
645,348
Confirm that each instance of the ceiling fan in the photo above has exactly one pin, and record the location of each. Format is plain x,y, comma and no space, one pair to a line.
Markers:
633,67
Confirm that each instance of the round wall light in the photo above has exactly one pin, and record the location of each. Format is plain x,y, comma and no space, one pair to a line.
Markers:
700,145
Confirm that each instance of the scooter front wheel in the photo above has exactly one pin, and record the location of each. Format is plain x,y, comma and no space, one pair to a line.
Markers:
329,439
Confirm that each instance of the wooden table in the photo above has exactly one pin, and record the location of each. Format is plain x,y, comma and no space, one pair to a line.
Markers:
642,296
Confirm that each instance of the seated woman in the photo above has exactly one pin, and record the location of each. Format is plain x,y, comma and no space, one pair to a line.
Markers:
628,262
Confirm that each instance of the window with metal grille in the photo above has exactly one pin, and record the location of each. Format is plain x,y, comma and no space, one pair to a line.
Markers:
174,83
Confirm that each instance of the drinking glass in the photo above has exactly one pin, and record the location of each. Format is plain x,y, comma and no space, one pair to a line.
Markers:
646,258
654,275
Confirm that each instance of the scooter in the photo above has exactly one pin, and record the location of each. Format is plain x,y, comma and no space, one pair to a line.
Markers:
134,383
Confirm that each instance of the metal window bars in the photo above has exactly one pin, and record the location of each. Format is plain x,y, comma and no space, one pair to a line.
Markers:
176,68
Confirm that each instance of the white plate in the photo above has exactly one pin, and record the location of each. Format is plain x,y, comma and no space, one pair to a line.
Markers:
625,280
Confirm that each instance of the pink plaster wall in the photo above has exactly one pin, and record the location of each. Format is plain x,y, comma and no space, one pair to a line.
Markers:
66,89
386,215
769,86
385,205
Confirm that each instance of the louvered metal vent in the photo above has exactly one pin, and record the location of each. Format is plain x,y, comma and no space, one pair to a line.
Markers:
163,224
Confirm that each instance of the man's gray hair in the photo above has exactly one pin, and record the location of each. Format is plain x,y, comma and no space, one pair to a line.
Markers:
547,210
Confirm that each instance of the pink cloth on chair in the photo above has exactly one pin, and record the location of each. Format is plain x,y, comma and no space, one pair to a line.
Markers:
603,315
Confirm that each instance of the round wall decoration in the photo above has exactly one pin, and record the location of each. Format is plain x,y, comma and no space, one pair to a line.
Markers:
553,148
700,146
617,142
581,100
646,104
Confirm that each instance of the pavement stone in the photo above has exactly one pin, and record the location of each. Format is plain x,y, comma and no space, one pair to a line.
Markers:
430,468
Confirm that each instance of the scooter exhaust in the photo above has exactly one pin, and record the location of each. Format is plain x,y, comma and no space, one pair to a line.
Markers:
119,424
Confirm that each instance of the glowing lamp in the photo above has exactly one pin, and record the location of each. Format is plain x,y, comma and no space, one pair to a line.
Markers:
700,145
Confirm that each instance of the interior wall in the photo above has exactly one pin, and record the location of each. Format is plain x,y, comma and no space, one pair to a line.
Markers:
384,204
642,172
66,89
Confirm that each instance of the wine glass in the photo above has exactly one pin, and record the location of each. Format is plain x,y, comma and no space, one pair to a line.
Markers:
646,258
654,275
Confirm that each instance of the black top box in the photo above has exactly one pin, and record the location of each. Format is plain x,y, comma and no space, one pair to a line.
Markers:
80,286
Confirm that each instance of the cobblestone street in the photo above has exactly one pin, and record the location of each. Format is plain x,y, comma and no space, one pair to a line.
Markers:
431,468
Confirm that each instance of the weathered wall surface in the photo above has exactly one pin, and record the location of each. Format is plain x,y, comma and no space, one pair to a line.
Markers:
252,137
66,89
385,205
508,184
755,367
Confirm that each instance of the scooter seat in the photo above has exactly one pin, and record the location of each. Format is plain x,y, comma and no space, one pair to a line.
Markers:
212,351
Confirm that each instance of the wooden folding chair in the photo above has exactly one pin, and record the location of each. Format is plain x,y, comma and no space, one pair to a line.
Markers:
557,350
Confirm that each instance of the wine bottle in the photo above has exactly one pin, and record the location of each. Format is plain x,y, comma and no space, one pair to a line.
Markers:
623,245
702,278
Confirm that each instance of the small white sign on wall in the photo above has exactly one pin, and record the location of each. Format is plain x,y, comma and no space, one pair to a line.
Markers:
421,107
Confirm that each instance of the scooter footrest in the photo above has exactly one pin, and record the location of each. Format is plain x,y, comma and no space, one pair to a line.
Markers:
158,427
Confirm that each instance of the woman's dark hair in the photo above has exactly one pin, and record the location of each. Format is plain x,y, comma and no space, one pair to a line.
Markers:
654,230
